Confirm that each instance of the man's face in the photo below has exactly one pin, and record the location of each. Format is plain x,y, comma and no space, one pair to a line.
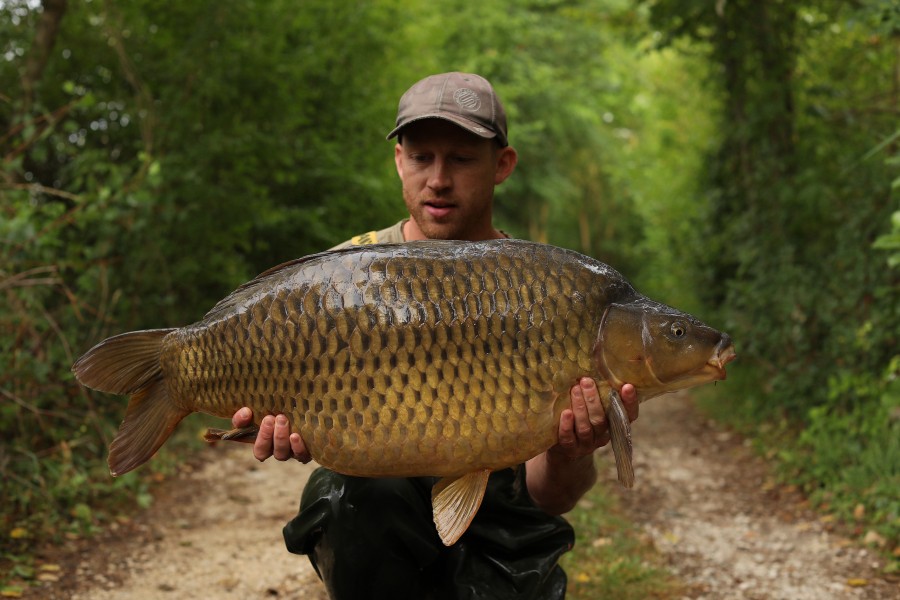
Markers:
448,177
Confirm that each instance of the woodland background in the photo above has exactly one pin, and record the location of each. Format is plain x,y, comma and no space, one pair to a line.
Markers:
739,159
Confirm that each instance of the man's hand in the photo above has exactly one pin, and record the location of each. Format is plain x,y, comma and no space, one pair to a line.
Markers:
583,428
560,476
274,437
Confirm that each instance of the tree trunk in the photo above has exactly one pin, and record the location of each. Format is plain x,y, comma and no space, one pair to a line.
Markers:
44,40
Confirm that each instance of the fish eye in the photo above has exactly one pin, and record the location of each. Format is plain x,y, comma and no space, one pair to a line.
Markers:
678,329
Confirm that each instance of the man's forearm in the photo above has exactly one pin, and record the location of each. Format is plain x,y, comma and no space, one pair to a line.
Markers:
556,482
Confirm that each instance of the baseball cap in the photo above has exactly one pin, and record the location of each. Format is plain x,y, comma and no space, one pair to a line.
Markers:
465,99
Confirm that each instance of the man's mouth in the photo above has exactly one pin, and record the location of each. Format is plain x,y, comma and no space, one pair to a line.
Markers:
438,210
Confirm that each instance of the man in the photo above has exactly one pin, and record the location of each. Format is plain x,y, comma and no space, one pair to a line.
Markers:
374,538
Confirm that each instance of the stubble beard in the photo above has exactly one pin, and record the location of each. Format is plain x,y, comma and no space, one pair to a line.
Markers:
463,225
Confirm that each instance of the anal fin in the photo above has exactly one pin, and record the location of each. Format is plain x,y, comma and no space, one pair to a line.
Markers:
246,435
455,500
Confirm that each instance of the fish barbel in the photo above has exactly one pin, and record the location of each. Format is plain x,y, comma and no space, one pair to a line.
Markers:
441,358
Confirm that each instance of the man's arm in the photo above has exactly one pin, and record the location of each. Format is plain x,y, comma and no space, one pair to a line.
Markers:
559,477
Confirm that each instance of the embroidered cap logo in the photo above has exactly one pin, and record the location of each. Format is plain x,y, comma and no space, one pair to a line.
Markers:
466,99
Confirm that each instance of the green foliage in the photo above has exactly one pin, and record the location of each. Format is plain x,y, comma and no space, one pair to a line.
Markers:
166,154
850,452
891,241
798,193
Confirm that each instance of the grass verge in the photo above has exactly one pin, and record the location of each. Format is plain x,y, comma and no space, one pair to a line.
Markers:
75,498
611,558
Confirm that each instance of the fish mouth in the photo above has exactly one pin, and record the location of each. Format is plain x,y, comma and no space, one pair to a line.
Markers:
724,354
713,370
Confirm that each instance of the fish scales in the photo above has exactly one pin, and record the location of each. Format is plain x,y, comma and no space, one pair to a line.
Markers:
384,377
429,358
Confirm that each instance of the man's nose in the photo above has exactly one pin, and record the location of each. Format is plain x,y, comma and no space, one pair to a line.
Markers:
439,178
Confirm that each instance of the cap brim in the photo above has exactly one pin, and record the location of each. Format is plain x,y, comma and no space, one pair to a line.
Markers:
466,124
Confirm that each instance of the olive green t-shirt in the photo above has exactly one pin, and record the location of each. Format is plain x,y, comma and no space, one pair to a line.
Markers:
389,235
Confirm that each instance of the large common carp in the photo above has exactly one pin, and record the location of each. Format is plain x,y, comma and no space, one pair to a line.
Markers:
441,358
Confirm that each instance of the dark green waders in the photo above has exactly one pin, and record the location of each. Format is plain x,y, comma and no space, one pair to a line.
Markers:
375,538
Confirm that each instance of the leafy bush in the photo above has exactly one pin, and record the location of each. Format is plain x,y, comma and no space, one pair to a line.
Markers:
850,451
799,191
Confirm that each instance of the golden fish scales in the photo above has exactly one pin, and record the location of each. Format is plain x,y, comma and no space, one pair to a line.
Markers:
397,365
429,358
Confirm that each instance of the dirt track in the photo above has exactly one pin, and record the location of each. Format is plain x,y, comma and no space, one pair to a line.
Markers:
726,528
213,533
707,504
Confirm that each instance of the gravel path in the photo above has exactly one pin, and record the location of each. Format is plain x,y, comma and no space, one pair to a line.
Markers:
726,528
213,533
709,506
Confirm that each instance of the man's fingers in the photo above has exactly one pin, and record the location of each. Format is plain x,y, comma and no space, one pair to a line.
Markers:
567,429
282,440
275,439
590,423
262,447
630,400
595,411
583,428
242,418
299,448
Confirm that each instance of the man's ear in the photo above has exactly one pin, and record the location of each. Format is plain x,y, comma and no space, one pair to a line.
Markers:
507,158
398,155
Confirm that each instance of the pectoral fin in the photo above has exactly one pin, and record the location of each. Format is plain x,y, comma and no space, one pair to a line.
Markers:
455,500
620,436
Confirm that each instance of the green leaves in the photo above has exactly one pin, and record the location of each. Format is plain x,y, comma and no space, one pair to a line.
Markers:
797,201
891,241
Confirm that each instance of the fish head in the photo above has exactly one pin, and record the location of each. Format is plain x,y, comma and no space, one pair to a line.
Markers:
659,349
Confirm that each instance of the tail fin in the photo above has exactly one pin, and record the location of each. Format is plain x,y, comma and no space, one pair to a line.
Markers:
122,364
129,364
